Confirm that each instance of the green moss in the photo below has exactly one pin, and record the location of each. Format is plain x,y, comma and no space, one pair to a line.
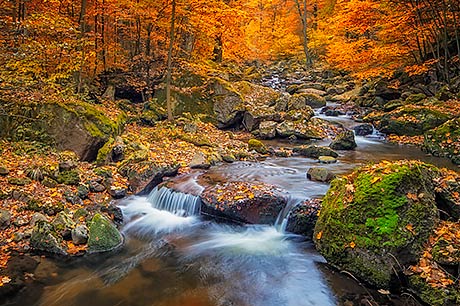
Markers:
257,145
19,181
103,155
71,177
434,296
444,140
103,235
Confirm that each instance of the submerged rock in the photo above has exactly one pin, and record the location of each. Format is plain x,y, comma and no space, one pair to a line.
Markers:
243,202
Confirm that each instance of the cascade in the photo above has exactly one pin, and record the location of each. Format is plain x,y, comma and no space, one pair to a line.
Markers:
178,203
283,216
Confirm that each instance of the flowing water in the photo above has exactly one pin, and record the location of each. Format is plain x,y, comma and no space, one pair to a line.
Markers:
174,257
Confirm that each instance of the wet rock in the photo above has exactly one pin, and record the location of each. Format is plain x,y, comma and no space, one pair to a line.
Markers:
243,202
302,129
95,186
320,174
80,234
199,161
45,238
114,213
5,218
385,215
4,171
118,193
103,235
327,160
302,218
333,113
257,145
344,141
363,129
228,158
267,129
19,181
314,151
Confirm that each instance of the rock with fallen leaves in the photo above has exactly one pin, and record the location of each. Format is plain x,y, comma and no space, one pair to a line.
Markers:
303,217
375,221
243,202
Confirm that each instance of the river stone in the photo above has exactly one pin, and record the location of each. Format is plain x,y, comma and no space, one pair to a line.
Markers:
118,193
385,215
344,141
199,161
103,235
302,218
257,145
327,159
37,217
80,234
243,202
45,238
95,186
63,225
363,129
320,174
267,129
5,218
313,151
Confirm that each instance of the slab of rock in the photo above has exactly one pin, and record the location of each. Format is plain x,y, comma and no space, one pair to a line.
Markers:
243,202
45,238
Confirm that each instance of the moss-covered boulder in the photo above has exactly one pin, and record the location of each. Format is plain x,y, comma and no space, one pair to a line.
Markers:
444,140
71,177
45,238
302,100
228,105
257,145
375,221
76,126
409,120
103,235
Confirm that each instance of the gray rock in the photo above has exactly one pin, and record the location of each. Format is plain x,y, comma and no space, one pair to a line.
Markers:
363,129
344,141
5,218
314,151
37,217
320,174
118,193
80,234
267,129
95,186
63,225
45,238
199,161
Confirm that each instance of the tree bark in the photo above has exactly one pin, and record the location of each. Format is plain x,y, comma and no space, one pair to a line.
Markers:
170,50
302,10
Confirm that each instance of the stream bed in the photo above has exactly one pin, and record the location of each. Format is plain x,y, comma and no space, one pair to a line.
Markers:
182,259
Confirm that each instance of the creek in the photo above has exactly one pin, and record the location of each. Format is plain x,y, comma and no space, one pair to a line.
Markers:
174,257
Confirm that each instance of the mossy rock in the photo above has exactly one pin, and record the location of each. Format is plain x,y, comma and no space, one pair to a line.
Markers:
103,235
257,145
434,296
303,100
19,181
45,238
76,125
375,221
344,141
409,120
71,177
313,151
444,140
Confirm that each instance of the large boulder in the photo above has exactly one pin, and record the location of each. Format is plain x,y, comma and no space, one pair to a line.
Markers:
267,129
103,236
75,126
320,174
374,222
344,141
243,202
444,140
302,100
228,104
408,120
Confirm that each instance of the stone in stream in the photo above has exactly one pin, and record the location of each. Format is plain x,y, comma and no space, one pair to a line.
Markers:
103,235
320,174
313,151
243,202
327,160
344,141
302,218
79,234
257,145
363,129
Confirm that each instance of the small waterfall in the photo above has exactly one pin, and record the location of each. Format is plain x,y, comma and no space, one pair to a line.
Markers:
283,216
178,203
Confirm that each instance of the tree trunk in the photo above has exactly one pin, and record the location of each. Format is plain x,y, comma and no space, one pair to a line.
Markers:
303,18
170,50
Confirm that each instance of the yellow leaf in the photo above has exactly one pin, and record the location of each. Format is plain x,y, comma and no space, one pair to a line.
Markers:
238,197
352,245
319,235
251,196
410,228
376,179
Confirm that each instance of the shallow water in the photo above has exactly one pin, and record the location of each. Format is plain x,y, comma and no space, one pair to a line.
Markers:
174,257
